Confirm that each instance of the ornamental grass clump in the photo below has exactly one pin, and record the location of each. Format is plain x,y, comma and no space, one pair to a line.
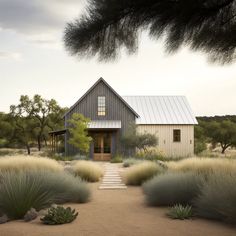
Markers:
130,162
217,198
88,171
172,188
203,166
22,163
142,172
21,191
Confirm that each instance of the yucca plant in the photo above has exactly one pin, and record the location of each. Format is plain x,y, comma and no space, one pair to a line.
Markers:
180,212
59,215
19,192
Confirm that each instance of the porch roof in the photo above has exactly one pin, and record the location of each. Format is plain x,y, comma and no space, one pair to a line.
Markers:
104,124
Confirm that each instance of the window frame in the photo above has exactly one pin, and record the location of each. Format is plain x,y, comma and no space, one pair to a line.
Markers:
101,105
177,137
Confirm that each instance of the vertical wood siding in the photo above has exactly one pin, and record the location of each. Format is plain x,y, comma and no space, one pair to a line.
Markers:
185,148
115,110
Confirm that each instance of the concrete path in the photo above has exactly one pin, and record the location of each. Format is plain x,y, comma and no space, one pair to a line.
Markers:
112,178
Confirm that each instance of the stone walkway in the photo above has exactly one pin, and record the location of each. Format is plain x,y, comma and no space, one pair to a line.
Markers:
112,178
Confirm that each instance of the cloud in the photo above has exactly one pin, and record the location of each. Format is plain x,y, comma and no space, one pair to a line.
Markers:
10,55
37,16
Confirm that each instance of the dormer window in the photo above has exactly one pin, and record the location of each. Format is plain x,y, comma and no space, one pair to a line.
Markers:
101,105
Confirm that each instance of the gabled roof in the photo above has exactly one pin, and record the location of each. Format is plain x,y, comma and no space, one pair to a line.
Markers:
164,110
98,81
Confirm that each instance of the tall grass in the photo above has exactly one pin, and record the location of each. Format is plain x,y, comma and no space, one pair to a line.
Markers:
21,191
88,171
142,172
22,163
217,199
130,162
203,166
172,188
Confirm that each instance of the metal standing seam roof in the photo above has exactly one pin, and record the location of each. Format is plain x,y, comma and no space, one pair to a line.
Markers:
163,110
104,124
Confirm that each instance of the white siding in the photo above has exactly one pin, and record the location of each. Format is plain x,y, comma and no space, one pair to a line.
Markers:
185,148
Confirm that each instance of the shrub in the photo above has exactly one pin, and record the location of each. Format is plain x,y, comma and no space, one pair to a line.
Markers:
217,199
130,162
203,166
117,159
172,188
151,154
140,173
19,192
180,212
22,163
59,215
88,171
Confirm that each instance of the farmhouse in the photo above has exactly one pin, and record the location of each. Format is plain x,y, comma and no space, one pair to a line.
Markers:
170,118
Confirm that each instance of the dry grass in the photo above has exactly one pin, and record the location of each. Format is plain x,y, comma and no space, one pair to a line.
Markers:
203,166
88,171
23,163
139,173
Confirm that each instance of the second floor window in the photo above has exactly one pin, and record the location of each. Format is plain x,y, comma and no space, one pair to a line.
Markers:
101,105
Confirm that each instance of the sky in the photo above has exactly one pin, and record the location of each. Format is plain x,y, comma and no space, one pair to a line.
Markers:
33,60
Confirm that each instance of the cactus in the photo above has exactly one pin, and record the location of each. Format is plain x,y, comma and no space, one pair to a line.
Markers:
59,215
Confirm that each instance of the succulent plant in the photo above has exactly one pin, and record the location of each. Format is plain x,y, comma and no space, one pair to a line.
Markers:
59,215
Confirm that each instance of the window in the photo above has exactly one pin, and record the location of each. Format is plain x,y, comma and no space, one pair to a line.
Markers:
176,135
101,106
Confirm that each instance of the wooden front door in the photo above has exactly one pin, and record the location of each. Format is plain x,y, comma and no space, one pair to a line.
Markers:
102,147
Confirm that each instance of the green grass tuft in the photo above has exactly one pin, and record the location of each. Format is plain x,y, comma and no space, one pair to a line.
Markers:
180,212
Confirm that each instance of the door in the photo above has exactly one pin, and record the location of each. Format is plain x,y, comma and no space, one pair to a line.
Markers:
102,147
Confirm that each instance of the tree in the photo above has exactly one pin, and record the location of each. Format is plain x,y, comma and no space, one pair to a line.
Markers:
223,133
24,126
133,139
200,139
6,129
108,25
78,130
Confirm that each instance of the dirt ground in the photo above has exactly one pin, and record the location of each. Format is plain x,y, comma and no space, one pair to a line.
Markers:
119,213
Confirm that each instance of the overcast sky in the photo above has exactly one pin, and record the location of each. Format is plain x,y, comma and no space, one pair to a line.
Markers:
33,61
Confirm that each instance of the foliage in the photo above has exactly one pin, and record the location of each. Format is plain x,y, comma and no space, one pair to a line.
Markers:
130,162
62,158
107,26
59,215
180,212
217,199
88,171
142,172
151,154
200,138
79,134
203,166
117,159
23,163
172,188
132,139
19,192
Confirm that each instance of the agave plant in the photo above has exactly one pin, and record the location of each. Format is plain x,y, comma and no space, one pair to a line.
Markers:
180,212
59,215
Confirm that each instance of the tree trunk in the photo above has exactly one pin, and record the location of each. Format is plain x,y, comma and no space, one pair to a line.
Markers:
28,149
224,147
39,143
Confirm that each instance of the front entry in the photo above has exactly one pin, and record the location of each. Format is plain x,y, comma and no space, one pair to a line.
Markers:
102,147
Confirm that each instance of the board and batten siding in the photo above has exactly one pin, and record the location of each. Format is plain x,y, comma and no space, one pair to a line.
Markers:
185,148
88,106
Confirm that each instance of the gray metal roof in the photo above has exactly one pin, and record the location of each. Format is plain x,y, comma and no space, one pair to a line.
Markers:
104,124
161,109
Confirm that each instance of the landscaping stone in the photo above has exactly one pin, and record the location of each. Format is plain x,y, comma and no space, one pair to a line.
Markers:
31,215
3,219
112,178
